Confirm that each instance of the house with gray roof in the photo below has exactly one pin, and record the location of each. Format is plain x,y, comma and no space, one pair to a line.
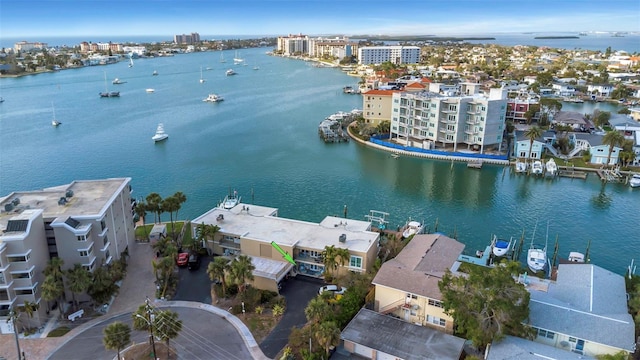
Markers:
514,348
402,340
584,311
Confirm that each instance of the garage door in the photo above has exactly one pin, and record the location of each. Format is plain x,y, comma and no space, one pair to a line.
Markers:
384,356
363,351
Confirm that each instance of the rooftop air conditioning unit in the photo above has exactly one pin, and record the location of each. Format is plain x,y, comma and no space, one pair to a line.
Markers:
343,238
62,201
69,193
8,207
16,201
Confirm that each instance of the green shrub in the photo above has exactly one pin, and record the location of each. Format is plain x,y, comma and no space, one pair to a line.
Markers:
61,331
266,296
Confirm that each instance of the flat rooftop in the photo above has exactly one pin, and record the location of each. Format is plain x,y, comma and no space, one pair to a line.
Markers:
261,223
90,198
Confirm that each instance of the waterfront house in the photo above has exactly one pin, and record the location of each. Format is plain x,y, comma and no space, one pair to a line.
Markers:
563,90
584,311
407,285
85,222
518,104
402,340
524,149
600,90
514,348
252,230
599,154
376,106
571,118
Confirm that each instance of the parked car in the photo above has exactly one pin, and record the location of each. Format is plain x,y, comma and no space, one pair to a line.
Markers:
332,288
194,262
182,259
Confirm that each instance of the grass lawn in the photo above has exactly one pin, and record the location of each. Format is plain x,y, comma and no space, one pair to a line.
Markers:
142,232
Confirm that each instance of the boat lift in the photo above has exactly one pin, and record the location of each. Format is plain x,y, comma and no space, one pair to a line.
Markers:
378,216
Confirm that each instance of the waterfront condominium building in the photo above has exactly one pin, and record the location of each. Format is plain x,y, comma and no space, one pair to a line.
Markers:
186,39
258,232
449,119
394,54
293,45
84,222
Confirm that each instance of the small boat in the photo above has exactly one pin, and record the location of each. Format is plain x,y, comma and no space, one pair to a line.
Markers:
230,201
521,166
54,122
551,168
154,73
500,247
537,256
634,182
106,92
117,81
256,67
230,72
237,60
213,98
150,90
201,79
576,257
160,134
536,167
130,60
412,228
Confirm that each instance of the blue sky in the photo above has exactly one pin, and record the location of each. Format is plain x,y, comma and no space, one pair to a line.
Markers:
31,18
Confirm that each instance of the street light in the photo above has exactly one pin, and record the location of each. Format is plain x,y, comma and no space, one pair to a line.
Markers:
149,322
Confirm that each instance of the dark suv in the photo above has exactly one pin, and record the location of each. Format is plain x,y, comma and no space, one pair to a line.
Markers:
194,262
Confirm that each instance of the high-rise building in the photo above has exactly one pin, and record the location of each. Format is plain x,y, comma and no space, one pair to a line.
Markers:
394,54
186,39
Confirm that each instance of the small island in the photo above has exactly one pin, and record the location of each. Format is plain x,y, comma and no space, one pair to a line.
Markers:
556,37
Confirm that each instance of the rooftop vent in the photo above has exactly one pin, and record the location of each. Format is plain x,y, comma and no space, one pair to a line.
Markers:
62,201
16,202
343,238
69,193
8,207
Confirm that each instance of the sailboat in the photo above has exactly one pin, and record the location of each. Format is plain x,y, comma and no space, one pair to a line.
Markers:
536,257
130,60
222,60
201,79
54,122
256,67
106,92
237,60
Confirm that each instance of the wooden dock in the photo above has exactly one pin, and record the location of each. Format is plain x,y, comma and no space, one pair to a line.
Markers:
572,174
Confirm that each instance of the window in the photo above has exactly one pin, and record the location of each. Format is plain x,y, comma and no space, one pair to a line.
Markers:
103,224
4,295
355,261
82,238
25,292
412,296
2,279
86,252
436,320
18,258
23,274
547,334
435,303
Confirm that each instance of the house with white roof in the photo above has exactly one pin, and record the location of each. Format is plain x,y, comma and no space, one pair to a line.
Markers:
602,90
584,311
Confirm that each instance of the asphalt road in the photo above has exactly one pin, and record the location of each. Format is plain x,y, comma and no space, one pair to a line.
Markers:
204,336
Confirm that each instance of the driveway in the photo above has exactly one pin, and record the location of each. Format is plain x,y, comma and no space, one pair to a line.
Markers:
298,291
194,285
204,335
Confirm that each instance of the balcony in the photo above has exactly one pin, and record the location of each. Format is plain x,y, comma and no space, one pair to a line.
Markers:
228,244
448,121
310,270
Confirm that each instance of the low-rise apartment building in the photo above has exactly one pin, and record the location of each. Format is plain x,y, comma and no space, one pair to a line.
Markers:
253,230
85,222
394,54
449,119
407,285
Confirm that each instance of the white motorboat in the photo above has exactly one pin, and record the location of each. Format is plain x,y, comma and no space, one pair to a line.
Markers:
213,98
576,257
230,72
521,166
551,168
536,167
634,182
154,73
150,90
230,201
160,134
117,81
500,247
537,256
412,228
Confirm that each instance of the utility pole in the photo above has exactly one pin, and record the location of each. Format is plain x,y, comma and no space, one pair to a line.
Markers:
149,311
12,317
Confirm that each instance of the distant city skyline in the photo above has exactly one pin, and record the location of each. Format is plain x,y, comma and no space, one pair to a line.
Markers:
88,18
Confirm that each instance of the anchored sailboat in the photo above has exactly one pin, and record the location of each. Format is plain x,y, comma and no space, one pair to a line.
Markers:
201,79
537,257
54,122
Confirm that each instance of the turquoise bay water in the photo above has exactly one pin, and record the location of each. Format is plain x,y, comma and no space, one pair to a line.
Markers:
263,139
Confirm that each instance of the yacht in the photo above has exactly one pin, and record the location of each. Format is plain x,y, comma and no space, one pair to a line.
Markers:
117,81
213,98
634,182
230,201
160,134
150,90
230,72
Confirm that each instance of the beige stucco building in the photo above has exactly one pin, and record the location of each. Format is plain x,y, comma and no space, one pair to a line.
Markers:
85,222
377,106
407,286
251,229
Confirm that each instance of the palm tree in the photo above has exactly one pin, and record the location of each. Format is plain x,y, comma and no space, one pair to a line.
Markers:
532,133
168,326
53,290
217,269
29,308
78,280
170,205
154,205
102,286
241,270
333,257
613,139
180,198
316,309
206,232
116,336
141,212
54,268
327,334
